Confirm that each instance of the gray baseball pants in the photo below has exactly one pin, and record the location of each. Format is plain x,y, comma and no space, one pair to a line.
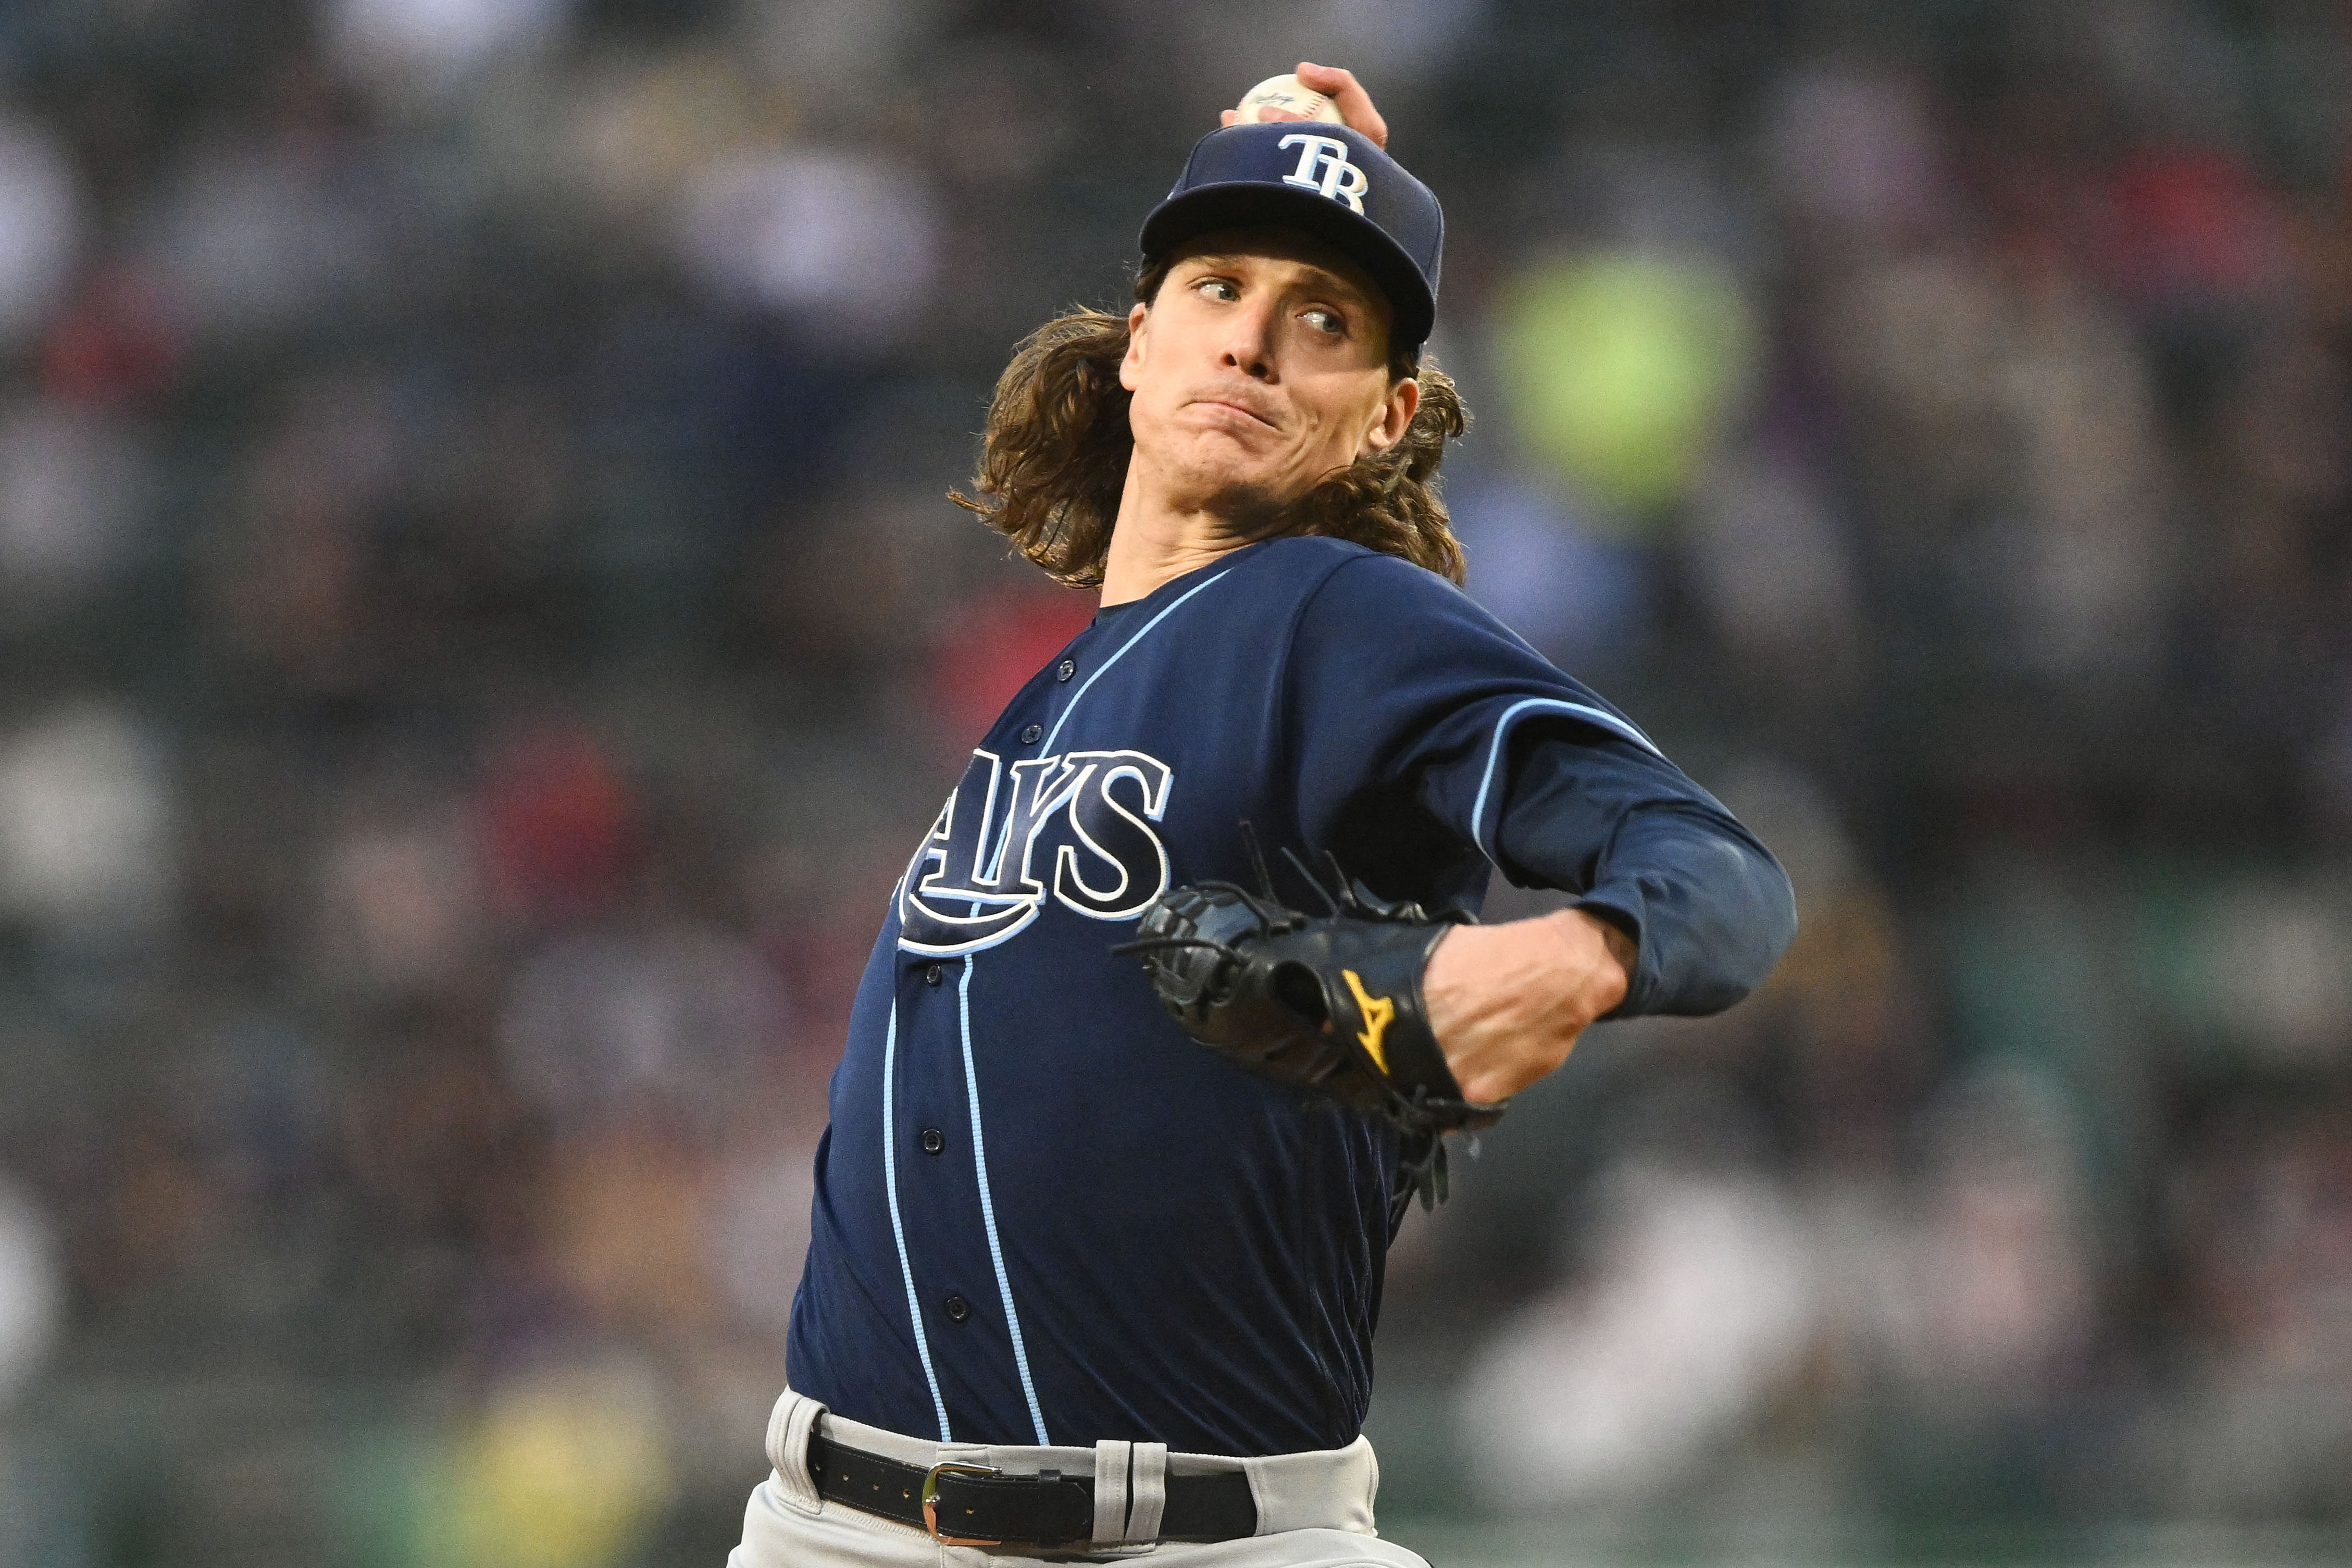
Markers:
1315,1510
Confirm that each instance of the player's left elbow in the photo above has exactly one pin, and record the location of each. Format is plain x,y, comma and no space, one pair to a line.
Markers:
1770,923
1750,922
1776,924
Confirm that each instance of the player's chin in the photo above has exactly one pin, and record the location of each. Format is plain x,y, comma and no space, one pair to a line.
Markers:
1223,460
1249,497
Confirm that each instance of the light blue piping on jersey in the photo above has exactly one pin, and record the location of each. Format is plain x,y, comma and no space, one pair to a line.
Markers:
972,1082
988,1204
1045,749
1589,714
1048,749
898,1228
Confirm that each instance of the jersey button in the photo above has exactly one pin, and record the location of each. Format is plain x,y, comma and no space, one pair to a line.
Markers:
931,975
933,1140
958,1309
1029,736
1066,669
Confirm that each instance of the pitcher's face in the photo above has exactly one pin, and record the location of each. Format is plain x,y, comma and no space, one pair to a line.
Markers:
1260,367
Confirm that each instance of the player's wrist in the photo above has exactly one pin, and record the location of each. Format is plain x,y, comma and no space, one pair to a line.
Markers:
1602,957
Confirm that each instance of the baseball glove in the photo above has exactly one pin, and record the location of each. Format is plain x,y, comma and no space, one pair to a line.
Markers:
1330,1003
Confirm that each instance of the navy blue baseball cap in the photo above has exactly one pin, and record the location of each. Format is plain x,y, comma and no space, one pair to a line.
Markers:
1327,180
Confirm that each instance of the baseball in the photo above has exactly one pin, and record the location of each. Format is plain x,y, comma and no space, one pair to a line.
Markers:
1288,92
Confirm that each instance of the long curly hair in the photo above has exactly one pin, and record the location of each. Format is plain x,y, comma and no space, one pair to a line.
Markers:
1055,459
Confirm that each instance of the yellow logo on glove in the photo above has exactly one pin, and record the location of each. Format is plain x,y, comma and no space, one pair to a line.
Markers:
1378,1011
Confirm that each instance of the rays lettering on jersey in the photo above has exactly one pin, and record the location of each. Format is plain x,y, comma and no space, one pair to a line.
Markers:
980,879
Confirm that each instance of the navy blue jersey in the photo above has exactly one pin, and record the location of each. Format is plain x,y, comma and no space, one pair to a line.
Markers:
1043,1215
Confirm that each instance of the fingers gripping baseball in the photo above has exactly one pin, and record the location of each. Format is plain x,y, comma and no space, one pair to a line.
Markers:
1507,1002
1347,95
1355,105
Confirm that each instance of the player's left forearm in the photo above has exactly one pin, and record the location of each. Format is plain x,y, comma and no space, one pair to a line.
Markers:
1713,912
1709,908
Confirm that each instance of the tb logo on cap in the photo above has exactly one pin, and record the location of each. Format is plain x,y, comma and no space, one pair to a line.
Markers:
1323,167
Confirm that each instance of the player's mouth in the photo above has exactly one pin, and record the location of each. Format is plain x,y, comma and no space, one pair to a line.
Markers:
1241,408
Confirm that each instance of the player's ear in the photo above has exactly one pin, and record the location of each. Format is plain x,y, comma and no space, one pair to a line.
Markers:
1139,322
1397,409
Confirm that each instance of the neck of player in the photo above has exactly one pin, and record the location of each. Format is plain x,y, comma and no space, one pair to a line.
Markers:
1167,527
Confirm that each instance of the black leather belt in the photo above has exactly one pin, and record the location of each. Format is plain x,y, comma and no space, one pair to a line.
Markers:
972,1505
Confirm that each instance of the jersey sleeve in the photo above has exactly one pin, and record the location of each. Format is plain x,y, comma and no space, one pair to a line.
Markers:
1398,681
1708,906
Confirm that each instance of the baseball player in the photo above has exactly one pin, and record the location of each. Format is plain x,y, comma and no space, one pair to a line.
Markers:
1098,1235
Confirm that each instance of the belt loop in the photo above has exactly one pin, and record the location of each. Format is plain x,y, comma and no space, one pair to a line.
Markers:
1111,1492
1148,1492
789,1425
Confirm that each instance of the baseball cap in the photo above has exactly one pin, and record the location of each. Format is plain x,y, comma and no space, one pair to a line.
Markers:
1330,181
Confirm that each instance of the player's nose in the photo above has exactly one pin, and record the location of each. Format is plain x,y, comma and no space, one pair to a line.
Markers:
1249,341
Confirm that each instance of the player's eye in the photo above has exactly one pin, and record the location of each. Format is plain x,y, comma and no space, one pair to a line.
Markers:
1327,322
1222,289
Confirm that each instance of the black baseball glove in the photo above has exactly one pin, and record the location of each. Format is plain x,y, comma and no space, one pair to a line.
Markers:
1331,1004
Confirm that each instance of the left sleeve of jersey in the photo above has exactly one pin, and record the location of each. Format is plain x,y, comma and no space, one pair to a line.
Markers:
1399,677
1709,908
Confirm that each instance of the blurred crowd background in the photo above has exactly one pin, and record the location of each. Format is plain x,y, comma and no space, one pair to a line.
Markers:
482,629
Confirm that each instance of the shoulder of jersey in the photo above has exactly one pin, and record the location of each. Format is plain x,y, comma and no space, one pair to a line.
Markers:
1379,573
1316,546
1309,552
